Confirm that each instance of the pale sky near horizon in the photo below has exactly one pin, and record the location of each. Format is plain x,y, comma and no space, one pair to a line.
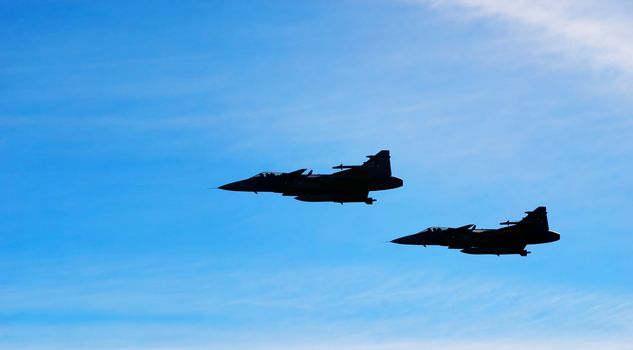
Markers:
117,117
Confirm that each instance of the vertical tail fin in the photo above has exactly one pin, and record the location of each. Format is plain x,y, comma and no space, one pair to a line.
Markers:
537,217
379,164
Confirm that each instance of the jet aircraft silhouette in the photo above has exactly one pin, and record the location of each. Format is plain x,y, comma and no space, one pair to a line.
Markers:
351,184
532,229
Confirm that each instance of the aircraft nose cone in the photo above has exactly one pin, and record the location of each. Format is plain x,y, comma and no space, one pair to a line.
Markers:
233,186
555,235
411,239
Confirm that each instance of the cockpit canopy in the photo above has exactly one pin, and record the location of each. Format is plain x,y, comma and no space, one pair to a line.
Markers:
435,229
266,174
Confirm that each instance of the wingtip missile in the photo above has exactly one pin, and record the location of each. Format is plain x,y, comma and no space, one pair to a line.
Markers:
341,166
508,222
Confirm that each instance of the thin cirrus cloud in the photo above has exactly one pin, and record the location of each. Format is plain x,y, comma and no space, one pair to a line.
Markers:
590,33
344,303
328,290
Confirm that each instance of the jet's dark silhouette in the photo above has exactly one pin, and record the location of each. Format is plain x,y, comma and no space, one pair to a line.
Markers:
352,184
532,229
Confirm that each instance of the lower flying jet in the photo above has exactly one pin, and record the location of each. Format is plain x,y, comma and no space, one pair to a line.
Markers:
351,184
532,229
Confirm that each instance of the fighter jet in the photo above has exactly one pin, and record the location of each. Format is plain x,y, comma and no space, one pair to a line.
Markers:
532,229
351,184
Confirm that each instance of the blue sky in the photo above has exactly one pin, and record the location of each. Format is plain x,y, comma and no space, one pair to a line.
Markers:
116,118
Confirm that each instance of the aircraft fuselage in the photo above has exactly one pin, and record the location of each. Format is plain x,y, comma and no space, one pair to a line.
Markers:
533,229
352,184
316,188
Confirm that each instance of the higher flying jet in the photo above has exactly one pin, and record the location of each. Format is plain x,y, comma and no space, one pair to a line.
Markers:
532,229
351,184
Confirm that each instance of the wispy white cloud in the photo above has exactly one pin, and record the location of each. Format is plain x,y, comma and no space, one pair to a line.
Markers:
179,337
471,344
349,304
593,33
